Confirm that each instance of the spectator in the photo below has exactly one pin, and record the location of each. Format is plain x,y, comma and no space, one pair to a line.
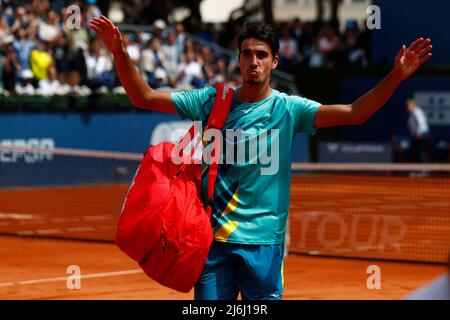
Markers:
351,34
329,43
75,89
171,53
355,54
25,84
23,46
161,79
49,27
190,72
11,67
288,48
69,48
99,67
74,81
364,41
315,56
419,131
7,14
77,40
158,29
64,16
152,61
148,64
1,73
40,8
206,56
206,59
203,31
301,35
77,62
60,53
180,39
92,11
143,37
57,5
189,45
33,28
77,37
220,72
234,80
133,49
4,30
40,60
21,20
50,86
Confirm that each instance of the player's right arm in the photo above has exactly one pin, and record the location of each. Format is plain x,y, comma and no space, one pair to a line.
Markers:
139,92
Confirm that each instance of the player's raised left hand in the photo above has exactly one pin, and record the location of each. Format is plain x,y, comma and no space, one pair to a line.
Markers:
409,59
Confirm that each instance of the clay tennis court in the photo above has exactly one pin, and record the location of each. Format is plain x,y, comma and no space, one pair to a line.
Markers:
35,268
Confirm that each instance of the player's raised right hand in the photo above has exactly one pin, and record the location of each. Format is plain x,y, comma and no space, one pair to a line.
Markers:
108,33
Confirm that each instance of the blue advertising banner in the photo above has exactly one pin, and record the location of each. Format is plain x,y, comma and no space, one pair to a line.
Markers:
113,131
347,152
131,131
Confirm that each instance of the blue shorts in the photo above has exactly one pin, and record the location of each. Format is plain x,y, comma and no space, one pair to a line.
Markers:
256,271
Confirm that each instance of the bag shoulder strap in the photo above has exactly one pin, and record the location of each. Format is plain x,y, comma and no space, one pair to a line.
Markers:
216,120
221,107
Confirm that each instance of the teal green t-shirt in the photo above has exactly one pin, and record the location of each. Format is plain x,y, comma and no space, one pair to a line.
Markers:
251,195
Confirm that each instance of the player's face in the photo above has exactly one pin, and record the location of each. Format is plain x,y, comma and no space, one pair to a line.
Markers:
256,61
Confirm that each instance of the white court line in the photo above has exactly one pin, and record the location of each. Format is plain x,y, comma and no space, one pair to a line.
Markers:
6,284
54,231
18,216
48,231
87,276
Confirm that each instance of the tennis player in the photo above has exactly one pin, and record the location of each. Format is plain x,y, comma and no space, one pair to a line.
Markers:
250,209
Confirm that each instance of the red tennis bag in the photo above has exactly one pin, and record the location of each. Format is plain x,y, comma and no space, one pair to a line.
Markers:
164,225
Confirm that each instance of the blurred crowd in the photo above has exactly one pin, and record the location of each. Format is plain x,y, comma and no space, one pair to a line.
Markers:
322,45
41,55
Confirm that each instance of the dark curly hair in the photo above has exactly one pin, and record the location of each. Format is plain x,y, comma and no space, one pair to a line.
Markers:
261,31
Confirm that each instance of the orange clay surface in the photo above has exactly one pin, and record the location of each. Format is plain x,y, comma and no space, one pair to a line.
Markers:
34,268
386,217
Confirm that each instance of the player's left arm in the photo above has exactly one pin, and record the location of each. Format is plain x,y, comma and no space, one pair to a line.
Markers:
407,61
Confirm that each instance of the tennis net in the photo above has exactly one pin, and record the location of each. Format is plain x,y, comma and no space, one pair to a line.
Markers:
394,211
63,193
375,211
